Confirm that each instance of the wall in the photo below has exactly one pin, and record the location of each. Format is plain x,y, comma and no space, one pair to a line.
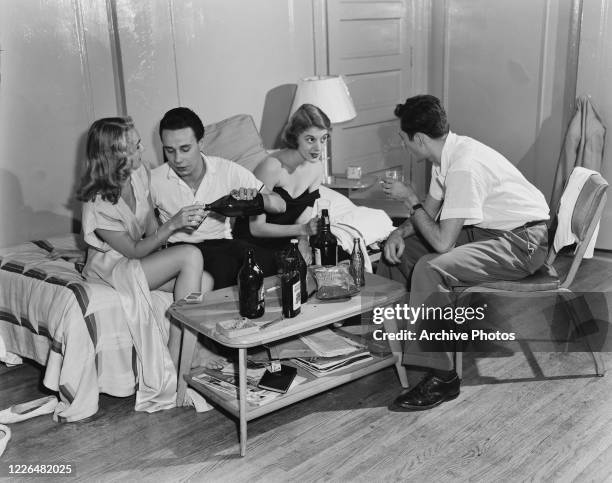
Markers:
219,57
50,68
58,74
595,79
502,72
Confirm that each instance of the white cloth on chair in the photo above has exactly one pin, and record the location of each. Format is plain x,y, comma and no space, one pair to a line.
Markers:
564,235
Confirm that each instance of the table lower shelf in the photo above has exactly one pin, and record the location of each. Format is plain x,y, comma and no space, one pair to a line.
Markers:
312,386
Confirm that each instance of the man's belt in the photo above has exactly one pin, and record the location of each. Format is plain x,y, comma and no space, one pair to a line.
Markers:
529,224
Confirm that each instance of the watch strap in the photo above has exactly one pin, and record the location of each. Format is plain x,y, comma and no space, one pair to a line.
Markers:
415,207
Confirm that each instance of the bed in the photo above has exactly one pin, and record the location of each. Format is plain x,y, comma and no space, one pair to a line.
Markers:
76,329
49,314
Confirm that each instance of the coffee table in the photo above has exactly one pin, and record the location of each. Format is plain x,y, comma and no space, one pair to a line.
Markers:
222,305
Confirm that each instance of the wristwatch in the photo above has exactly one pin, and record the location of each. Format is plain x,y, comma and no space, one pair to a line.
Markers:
415,207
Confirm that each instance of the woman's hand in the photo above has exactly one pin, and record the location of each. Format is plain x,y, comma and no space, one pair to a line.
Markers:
72,256
311,227
189,218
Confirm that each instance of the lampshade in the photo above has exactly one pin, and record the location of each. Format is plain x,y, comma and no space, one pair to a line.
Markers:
328,93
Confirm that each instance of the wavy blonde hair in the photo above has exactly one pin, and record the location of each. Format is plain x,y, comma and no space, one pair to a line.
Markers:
107,165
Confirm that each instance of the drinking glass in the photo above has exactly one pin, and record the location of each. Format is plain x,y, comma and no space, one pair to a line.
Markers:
394,175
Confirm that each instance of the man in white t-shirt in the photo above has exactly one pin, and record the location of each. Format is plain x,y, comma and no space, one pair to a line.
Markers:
190,177
481,221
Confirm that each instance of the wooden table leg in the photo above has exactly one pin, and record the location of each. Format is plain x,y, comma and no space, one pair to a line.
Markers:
396,348
190,338
242,385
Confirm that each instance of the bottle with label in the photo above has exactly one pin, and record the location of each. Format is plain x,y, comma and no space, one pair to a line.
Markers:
229,206
291,292
250,288
357,266
302,268
324,245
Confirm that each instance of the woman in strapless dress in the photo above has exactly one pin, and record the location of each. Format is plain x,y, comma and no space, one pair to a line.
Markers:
295,173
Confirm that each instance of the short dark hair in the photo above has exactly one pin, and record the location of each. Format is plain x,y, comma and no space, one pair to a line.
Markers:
423,113
181,118
304,118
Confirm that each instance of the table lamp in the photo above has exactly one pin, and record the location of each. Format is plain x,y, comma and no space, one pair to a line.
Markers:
331,95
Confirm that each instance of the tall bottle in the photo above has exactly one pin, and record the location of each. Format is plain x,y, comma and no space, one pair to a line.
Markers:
229,206
324,245
302,269
357,266
291,298
250,288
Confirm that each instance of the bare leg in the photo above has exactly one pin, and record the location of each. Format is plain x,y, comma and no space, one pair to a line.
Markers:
207,284
182,262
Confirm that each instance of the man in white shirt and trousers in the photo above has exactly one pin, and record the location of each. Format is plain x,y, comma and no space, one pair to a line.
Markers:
491,226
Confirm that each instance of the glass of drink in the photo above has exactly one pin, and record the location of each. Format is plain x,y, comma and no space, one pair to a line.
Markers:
394,175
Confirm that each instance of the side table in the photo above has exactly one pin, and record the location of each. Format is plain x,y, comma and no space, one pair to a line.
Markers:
222,305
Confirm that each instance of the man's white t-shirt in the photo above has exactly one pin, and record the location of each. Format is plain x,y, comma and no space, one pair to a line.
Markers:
170,193
477,183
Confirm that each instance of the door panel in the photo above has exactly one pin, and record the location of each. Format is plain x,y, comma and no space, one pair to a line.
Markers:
368,43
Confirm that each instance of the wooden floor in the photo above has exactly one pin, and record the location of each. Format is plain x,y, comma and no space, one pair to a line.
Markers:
553,426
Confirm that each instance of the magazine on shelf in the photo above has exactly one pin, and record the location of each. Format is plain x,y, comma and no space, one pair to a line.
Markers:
226,385
321,343
321,366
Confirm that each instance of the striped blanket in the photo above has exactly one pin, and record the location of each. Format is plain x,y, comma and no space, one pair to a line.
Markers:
50,314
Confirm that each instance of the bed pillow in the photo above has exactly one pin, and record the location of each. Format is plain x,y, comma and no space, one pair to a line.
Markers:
235,138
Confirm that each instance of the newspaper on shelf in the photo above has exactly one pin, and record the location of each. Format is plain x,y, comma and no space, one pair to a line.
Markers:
322,366
327,343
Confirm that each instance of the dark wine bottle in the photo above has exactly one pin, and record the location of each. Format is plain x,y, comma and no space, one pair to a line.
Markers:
324,245
229,206
290,287
357,266
302,269
250,288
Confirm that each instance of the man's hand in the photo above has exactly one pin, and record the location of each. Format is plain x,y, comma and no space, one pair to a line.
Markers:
400,191
244,193
394,247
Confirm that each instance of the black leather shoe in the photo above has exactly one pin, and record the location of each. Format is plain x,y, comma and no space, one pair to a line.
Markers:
429,393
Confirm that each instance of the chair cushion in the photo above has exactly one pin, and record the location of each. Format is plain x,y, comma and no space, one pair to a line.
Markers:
237,139
544,279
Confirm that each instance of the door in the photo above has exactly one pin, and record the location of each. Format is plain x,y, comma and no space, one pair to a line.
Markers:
369,44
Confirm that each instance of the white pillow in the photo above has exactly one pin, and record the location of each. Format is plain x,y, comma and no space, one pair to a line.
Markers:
340,205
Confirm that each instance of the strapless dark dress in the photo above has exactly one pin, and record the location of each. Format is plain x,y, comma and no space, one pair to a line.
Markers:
265,255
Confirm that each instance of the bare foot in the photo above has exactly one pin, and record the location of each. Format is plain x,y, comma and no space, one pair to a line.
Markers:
208,359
